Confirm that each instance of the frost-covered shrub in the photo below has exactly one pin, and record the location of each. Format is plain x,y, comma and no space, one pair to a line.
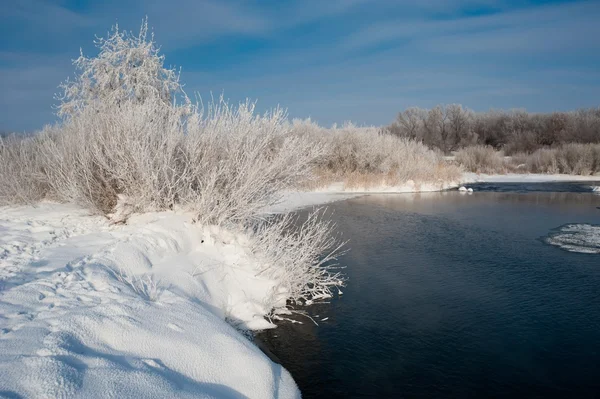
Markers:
240,161
481,159
368,156
577,159
127,69
543,160
125,145
21,170
581,159
223,164
300,256
123,135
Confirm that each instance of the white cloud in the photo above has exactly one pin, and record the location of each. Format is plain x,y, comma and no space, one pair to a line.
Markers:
521,29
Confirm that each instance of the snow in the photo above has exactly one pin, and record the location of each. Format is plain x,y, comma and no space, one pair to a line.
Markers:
74,324
339,191
293,200
582,238
408,187
523,178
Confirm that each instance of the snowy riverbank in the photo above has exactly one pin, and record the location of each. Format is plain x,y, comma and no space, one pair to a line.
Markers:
72,327
524,178
145,309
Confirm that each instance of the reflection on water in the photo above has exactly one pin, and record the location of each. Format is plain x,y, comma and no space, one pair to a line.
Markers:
454,295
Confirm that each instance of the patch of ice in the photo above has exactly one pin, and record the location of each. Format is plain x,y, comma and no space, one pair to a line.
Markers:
582,238
595,189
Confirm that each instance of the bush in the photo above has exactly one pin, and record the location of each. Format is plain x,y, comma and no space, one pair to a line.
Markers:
481,159
363,157
128,140
579,159
21,170
300,255
543,161
575,159
224,165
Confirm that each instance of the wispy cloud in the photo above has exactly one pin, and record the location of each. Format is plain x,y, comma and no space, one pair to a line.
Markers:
185,22
182,23
28,92
535,28
312,10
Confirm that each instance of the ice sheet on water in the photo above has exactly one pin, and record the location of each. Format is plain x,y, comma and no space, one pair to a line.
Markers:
582,238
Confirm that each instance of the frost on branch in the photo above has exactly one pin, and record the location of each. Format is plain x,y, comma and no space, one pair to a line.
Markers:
128,68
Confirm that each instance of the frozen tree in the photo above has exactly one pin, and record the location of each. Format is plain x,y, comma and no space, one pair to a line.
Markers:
409,123
460,122
128,68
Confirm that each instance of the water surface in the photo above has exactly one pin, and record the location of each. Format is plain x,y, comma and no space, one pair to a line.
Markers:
455,295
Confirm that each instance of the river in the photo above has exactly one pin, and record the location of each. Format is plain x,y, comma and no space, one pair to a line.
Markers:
457,295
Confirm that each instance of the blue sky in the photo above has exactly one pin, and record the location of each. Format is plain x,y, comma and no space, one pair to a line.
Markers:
332,60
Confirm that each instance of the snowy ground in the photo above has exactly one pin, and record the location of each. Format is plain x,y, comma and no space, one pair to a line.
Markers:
72,327
523,178
293,200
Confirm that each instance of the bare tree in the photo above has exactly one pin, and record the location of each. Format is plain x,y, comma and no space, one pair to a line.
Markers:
452,127
410,123
460,121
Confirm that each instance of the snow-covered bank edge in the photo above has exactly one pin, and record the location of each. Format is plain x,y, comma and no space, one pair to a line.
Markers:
294,200
524,178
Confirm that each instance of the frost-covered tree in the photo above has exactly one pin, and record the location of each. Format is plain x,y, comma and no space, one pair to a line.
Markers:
128,68
409,123
461,127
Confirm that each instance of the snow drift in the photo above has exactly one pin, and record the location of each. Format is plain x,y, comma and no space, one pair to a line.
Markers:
72,326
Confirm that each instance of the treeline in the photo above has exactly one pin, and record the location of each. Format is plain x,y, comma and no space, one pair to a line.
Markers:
452,127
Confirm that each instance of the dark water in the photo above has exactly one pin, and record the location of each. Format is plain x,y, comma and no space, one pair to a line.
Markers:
455,295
